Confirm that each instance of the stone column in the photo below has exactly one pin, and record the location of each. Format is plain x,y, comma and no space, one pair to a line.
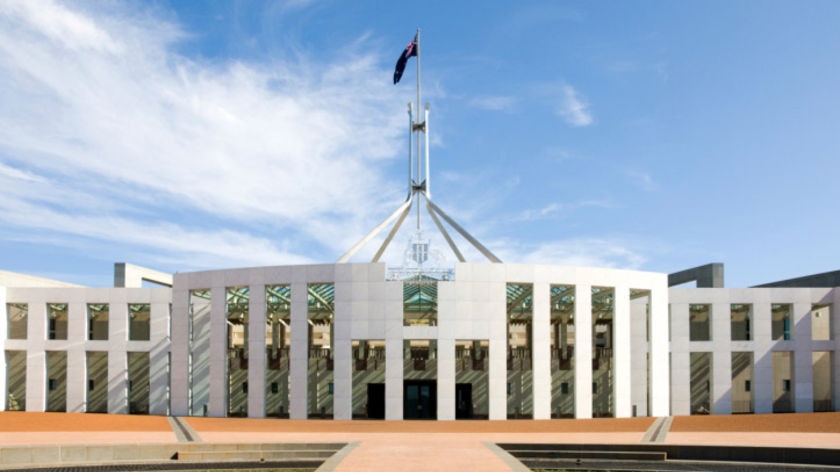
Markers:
179,383
660,397
622,392
299,352
540,343
256,351
583,351
218,390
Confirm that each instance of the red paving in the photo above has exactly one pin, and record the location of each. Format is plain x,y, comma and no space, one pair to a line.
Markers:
779,422
621,425
418,445
17,421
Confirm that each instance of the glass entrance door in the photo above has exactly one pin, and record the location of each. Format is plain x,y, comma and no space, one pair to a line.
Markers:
420,399
463,401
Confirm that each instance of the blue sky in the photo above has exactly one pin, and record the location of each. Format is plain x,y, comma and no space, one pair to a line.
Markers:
650,135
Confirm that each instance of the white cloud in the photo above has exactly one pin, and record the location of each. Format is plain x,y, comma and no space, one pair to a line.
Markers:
494,103
573,108
58,24
18,174
581,252
558,154
100,109
538,214
642,179
554,210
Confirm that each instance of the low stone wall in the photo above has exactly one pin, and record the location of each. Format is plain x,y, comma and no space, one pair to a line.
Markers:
770,455
139,453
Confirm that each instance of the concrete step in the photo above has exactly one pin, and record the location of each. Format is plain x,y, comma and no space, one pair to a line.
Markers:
197,446
604,455
253,455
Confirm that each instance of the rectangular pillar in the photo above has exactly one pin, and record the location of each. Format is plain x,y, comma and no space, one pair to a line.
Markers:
342,352
159,357
77,334
763,342
622,393
180,351
446,378
256,351
199,350
394,369
583,351
660,396
299,352
217,404
497,377
541,350
640,360
803,373
36,358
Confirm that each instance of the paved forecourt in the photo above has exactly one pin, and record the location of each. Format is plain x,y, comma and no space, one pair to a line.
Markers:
415,445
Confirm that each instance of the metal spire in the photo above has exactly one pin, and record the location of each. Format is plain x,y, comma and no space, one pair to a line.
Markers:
419,178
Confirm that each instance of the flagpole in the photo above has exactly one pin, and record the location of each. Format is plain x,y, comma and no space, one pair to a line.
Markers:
410,147
417,127
428,187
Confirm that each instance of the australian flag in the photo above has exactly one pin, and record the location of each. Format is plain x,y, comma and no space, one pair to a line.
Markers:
410,50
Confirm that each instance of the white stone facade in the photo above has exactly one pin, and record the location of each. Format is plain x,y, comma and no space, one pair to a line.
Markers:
617,344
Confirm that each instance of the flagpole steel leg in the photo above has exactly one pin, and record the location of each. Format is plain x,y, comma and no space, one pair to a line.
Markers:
390,236
445,234
347,255
489,255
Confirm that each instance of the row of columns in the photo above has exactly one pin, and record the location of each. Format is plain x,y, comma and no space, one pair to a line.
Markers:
76,347
394,336
761,345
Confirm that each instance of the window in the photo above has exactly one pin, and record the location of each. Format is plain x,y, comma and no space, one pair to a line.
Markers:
786,385
97,321
139,319
16,320
740,315
781,315
699,327
57,321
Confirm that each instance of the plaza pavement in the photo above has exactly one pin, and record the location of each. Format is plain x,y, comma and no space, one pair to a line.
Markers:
408,446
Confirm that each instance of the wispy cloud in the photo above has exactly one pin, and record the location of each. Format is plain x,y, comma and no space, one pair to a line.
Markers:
557,154
101,110
555,210
545,212
581,252
18,174
573,108
494,103
642,179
